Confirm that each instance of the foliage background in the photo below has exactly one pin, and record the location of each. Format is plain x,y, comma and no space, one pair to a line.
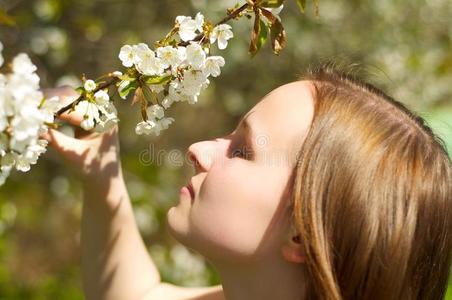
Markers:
406,46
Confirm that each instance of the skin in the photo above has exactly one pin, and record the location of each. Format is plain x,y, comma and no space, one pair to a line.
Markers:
239,218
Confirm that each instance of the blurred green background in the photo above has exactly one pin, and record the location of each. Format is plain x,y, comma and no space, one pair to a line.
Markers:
406,46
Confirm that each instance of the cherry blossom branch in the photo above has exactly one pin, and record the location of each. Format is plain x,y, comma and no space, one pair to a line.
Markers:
112,80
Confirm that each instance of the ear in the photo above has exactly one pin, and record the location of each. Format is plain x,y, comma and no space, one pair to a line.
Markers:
292,250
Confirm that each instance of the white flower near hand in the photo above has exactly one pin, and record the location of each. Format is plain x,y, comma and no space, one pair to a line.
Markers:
155,111
127,56
101,97
1,55
90,114
170,56
49,108
87,124
147,62
222,33
188,27
195,56
212,65
89,85
23,114
108,118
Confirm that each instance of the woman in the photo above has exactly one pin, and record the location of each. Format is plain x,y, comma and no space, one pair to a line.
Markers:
327,189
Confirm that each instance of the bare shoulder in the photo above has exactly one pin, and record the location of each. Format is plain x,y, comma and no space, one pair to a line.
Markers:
167,291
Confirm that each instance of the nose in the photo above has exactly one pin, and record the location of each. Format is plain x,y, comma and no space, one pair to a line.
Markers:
201,155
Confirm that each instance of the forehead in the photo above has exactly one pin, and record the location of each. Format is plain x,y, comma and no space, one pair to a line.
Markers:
284,115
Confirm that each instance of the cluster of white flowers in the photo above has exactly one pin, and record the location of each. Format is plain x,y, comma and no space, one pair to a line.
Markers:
97,110
183,70
24,113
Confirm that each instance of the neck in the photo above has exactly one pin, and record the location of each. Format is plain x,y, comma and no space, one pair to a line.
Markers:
270,279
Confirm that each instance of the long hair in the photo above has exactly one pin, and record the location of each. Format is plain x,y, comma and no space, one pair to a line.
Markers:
372,195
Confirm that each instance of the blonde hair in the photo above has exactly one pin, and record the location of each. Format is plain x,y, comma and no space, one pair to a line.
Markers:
372,198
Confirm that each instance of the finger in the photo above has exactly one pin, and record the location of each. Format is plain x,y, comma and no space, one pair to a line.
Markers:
83,134
63,143
66,95
72,117
46,136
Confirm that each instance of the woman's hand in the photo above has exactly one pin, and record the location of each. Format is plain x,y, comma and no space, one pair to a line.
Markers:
94,156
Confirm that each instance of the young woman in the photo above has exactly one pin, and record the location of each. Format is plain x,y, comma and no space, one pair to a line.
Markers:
326,189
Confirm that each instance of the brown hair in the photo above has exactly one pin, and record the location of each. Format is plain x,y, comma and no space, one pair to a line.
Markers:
372,195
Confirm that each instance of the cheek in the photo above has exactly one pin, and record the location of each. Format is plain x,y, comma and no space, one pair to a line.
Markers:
236,206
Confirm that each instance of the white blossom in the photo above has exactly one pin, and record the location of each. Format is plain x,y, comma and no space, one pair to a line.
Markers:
193,83
171,56
101,97
195,55
87,124
147,63
212,65
167,101
127,56
188,27
23,113
155,111
199,19
89,85
108,118
165,122
23,65
222,33
146,127
49,108
90,113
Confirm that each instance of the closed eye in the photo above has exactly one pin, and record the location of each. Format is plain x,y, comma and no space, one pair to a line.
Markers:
242,151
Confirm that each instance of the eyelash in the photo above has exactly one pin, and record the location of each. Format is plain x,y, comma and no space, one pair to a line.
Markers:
244,151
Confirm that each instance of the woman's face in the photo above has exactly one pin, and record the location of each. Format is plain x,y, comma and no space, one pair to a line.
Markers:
239,209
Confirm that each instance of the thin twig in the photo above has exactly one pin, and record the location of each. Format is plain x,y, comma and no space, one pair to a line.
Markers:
113,80
226,19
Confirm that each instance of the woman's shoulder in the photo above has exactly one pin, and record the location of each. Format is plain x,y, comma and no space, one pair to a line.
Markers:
167,291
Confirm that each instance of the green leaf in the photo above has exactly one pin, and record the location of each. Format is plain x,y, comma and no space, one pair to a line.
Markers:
301,5
263,34
157,79
80,90
272,3
129,88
